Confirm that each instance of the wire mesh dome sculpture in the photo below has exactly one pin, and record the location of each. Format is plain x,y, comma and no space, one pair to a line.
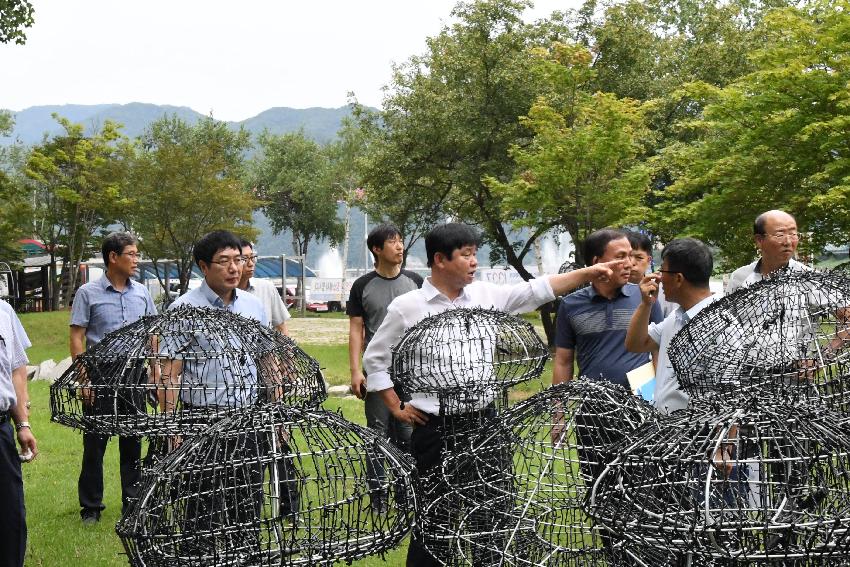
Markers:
515,495
177,371
467,358
748,483
786,335
571,266
271,486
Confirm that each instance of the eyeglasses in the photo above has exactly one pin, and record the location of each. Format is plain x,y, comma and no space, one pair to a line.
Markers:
782,236
130,254
225,262
251,259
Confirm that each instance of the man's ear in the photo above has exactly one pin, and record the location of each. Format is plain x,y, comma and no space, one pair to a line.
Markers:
594,260
439,258
203,266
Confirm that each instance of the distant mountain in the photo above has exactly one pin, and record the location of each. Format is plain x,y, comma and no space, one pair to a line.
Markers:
32,123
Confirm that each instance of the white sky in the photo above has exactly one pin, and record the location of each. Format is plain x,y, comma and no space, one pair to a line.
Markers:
234,59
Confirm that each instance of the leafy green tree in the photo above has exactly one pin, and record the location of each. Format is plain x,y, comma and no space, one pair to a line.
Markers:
15,16
77,181
397,187
15,212
186,180
452,114
292,175
581,171
775,138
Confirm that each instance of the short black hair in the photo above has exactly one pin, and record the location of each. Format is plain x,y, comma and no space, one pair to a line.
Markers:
639,241
116,242
243,242
379,235
212,242
691,258
596,243
449,237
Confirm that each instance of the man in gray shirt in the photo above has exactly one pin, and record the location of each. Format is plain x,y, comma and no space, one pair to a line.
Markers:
100,307
366,307
264,290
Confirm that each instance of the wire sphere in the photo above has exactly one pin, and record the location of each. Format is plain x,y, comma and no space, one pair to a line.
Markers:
778,336
468,356
180,370
568,266
514,495
571,266
747,482
272,486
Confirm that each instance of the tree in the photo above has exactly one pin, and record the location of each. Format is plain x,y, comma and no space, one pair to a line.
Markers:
453,114
397,187
15,15
775,138
77,182
15,212
292,176
581,171
186,181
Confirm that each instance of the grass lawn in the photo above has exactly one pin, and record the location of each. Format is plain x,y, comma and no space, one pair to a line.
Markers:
56,535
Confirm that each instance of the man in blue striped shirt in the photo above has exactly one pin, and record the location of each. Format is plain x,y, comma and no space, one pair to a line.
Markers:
100,307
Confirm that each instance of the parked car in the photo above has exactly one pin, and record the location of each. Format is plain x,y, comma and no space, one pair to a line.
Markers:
325,307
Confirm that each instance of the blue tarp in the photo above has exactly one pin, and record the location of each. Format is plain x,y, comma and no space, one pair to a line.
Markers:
266,268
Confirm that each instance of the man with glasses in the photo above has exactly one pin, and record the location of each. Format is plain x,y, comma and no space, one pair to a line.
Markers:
686,265
775,234
264,290
100,307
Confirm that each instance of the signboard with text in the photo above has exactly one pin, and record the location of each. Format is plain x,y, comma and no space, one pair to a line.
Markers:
329,289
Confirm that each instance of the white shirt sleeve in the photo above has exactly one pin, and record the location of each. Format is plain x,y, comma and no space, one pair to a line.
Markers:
378,355
523,297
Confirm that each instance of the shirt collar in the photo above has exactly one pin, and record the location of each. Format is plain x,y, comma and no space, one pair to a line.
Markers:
213,298
429,291
622,291
696,308
106,284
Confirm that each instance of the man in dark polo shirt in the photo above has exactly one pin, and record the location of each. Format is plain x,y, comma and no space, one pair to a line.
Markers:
592,322
367,305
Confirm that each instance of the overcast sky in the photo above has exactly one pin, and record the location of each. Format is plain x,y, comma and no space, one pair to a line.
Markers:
234,59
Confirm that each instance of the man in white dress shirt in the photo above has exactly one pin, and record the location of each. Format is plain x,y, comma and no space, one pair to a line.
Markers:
451,250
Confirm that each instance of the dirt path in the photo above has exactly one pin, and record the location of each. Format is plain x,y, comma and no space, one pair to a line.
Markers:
319,331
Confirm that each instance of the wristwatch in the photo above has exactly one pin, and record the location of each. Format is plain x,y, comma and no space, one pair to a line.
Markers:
21,424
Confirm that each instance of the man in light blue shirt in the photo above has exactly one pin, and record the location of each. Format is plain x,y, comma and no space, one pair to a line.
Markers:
207,380
100,307
14,402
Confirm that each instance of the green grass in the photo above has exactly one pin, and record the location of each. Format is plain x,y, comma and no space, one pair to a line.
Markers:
48,333
333,360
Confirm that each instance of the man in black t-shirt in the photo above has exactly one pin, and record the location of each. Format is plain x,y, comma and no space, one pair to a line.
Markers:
367,305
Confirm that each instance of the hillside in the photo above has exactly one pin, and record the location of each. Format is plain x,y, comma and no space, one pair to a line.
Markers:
32,123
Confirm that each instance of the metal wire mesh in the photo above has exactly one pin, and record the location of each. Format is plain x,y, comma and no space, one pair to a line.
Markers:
571,266
271,486
180,370
467,357
514,494
754,481
786,335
